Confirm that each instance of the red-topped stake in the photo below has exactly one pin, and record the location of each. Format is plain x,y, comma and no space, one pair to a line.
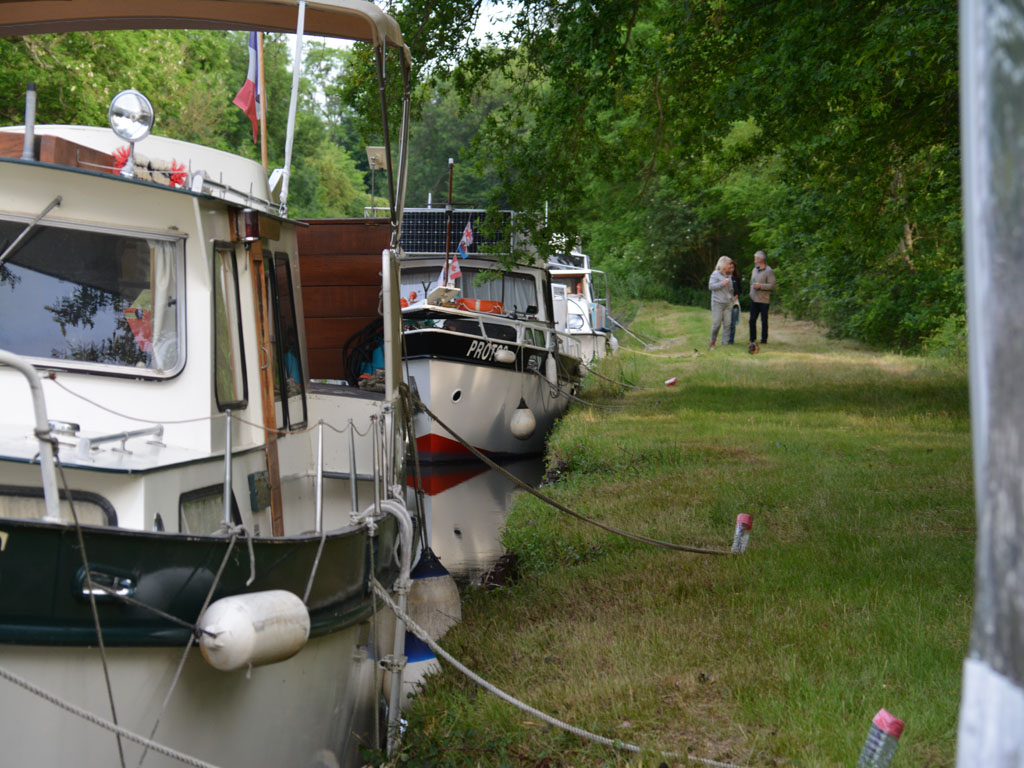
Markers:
881,742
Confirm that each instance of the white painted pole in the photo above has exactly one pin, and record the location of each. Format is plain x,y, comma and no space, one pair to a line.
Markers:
293,103
992,124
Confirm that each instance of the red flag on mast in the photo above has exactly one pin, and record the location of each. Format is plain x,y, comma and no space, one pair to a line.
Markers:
248,97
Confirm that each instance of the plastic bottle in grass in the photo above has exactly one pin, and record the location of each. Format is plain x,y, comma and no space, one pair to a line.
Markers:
742,535
882,740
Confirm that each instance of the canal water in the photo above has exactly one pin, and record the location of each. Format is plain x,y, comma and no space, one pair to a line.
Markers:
466,505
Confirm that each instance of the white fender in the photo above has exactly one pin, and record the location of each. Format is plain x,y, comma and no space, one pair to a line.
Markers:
523,422
253,629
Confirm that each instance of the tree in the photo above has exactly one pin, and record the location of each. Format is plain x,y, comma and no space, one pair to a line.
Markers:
191,78
623,118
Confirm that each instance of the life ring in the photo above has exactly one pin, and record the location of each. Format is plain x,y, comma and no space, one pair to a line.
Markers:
480,305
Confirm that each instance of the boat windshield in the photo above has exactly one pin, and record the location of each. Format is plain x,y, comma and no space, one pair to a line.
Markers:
88,299
515,292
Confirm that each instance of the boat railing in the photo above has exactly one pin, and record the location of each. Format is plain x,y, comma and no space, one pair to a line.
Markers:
42,431
86,444
382,434
469,323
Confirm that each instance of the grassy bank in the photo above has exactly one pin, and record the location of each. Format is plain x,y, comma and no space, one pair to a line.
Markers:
855,593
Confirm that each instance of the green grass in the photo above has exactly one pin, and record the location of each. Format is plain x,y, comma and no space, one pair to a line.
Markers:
855,593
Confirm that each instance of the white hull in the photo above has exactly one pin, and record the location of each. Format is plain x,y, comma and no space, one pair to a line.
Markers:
593,346
294,712
478,402
465,516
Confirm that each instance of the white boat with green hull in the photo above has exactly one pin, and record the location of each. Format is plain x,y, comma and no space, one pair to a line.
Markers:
203,491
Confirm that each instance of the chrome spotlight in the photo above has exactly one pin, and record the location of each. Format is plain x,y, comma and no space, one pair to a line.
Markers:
131,117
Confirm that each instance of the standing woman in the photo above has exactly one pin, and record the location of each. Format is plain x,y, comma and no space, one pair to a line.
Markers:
720,285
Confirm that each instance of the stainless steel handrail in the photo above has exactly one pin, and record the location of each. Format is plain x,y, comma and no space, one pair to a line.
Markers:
46,454
86,444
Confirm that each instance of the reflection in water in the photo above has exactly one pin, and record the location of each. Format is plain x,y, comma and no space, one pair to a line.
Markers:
466,505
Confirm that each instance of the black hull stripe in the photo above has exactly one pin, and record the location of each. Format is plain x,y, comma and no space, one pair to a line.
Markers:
41,601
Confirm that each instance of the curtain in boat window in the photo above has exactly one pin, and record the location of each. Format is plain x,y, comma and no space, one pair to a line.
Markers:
165,309
516,292
230,384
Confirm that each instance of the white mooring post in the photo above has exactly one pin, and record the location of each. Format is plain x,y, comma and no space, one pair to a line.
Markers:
992,137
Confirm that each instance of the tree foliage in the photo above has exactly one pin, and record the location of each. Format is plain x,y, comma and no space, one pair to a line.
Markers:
665,133
668,132
191,77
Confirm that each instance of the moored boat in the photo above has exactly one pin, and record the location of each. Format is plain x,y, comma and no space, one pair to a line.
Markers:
169,475
584,291
483,355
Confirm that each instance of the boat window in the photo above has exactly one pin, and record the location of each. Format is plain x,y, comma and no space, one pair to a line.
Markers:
500,332
93,300
534,337
417,282
27,503
516,293
230,383
201,512
287,351
572,284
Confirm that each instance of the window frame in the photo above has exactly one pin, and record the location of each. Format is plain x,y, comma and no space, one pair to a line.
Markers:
178,240
207,492
226,247
276,259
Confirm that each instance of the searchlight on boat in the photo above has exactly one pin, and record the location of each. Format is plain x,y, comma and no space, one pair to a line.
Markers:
131,116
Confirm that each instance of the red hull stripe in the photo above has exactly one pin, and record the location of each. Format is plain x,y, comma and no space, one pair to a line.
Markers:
435,481
432,445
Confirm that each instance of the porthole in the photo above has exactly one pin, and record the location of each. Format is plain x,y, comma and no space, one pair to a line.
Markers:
456,395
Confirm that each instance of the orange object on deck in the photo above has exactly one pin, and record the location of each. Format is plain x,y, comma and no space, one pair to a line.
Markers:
480,305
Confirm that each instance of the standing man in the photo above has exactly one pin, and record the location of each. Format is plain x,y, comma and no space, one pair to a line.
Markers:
762,283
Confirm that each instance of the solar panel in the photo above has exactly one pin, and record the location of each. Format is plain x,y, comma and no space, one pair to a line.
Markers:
425,231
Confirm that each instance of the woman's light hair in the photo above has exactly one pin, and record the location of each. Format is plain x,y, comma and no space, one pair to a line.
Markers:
723,261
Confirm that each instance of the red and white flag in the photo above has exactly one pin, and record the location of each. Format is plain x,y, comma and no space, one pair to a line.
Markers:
248,97
454,271
450,271
467,239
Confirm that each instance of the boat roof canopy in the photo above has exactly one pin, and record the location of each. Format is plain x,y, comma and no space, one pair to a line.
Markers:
347,19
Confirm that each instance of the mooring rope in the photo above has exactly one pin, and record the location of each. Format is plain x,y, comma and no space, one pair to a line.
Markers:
547,499
559,392
89,589
631,333
256,425
613,381
680,356
106,724
233,531
421,633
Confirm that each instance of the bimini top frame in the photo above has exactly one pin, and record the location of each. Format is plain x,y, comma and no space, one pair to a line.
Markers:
347,19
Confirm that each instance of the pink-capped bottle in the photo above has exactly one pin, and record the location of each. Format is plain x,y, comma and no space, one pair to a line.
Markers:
882,740
744,523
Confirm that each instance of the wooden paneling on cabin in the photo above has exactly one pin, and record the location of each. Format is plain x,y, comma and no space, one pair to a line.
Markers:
340,262
58,151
